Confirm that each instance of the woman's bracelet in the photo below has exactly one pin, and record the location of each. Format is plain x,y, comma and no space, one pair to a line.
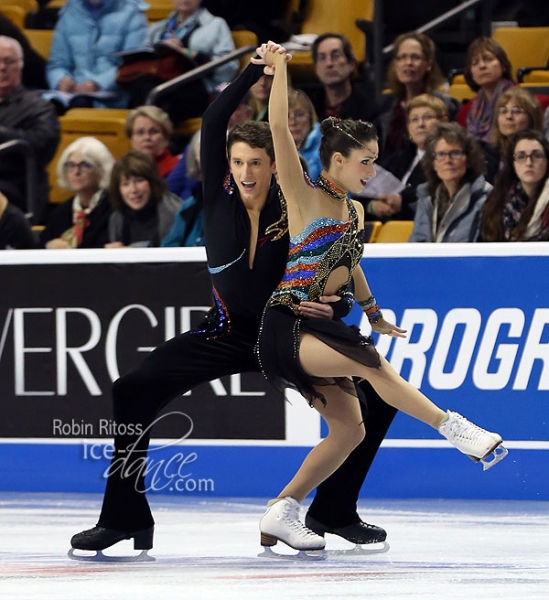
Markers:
371,308
368,303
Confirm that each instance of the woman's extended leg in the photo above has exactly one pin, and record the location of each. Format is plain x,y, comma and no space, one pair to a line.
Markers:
320,360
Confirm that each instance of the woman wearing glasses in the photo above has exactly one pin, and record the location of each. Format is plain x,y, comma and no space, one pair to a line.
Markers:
413,71
517,109
449,203
84,168
517,210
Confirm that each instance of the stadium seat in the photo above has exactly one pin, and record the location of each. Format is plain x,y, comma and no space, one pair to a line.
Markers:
16,14
525,46
371,229
394,232
40,40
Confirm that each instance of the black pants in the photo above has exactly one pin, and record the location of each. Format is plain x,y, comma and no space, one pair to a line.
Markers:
181,364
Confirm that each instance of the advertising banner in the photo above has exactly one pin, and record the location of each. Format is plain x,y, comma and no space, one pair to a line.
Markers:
477,318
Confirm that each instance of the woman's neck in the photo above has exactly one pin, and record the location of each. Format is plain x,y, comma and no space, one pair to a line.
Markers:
490,90
183,16
530,189
85,197
414,89
451,187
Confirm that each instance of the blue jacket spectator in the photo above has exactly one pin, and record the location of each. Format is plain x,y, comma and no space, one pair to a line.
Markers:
87,35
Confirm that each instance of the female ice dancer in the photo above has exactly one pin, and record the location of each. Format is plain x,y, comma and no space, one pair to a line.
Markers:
319,357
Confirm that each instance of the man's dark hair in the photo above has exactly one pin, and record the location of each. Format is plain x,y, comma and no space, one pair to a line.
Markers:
257,134
347,48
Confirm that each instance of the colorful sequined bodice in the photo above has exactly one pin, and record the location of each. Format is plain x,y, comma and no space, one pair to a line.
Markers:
324,245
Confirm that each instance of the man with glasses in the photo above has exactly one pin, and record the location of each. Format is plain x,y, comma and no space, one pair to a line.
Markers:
335,64
24,115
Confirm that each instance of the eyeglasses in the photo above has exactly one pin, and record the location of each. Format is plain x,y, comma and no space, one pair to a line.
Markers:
534,156
452,155
297,116
415,58
84,165
9,61
514,111
335,55
150,132
422,119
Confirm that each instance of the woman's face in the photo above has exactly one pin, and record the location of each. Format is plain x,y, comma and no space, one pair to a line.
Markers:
359,167
421,121
81,174
410,63
135,191
148,137
486,70
299,122
186,6
261,89
449,162
530,162
512,118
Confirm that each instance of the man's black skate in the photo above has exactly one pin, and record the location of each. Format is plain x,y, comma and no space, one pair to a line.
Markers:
100,538
359,533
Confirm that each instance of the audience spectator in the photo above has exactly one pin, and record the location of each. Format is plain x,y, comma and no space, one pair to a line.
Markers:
488,72
305,130
517,109
84,168
87,35
15,231
517,210
259,98
188,227
423,114
202,37
412,71
143,208
149,129
24,116
450,202
34,67
335,64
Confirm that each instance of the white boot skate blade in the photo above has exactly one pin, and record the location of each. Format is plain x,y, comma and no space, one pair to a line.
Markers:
301,555
143,556
498,453
362,550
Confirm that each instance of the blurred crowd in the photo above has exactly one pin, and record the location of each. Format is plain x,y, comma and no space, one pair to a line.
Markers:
461,171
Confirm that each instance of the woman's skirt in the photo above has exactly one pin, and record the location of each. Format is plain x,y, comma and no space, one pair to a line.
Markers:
278,351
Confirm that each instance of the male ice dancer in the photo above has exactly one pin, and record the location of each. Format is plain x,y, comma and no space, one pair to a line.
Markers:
246,259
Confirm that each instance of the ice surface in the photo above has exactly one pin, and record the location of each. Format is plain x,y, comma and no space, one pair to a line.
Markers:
207,549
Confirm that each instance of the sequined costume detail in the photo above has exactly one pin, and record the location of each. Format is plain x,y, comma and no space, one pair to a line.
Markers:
324,245
217,321
213,270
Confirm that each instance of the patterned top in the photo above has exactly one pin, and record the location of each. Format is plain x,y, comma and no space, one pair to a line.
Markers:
321,247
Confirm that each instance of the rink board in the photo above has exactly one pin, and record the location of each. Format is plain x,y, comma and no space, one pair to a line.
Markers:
71,322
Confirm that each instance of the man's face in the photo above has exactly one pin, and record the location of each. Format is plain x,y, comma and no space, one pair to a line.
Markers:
10,68
252,170
332,66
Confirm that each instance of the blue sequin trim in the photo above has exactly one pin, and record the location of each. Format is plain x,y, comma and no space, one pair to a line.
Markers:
313,225
214,270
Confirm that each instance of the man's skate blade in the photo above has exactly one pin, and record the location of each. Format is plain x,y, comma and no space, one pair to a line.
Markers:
362,550
301,555
143,556
497,454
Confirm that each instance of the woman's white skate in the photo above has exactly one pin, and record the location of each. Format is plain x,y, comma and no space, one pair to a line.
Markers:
477,443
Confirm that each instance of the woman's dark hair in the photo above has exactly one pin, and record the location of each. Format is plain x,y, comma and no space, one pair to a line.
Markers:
432,79
137,164
344,136
486,44
257,134
452,133
491,227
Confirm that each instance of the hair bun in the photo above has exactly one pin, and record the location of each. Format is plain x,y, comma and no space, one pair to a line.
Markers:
329,123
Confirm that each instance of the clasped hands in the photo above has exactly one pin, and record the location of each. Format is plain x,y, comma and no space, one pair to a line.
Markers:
268,55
